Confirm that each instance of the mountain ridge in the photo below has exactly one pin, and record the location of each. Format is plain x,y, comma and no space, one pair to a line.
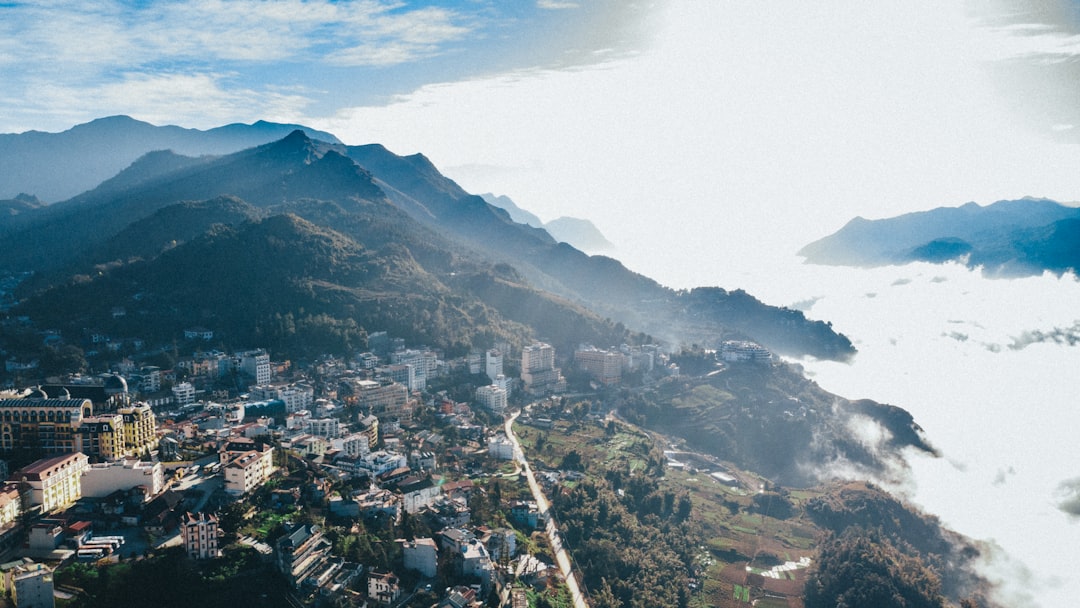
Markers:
1006,238
58,166
409,197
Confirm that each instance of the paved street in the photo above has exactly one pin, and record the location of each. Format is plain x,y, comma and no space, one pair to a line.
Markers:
562,559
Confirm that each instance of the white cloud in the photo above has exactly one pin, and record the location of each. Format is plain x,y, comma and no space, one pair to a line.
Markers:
196,100
556,5
782,126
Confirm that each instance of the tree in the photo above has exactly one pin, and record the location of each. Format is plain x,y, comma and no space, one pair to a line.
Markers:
862,568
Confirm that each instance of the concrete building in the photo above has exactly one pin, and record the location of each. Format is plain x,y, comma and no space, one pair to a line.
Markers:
384,400
604,366
493,399
296,397
300,552
255,364
54,483
102,437
743,350
101,479
500,447
383,587
421,555
32,586
200,535
493,363
538,370
10,504
46,424
183,394
245,473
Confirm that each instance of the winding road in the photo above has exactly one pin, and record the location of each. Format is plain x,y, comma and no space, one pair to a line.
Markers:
561,556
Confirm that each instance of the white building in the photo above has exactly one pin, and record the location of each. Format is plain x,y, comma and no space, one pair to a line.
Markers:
54,482
743,350
493,363
255,364
492,398
501,447
183,393
247,471
100,480
353,444
328,428
421,555
538,370
296,396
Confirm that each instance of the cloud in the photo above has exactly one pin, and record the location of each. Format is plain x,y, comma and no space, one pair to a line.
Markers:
1068,495
1064,336
555,5
69,59
204,99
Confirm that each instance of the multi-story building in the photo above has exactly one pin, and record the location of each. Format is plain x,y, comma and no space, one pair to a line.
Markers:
300,552
101,479
384,400
102,437
538,370
53,483
500,447
255,364
32,586
296,397
744,350
404,374
425,364
421,555
200,535
10,504
246,471
383,587
39,423
184,393
329,428
604,366
149,379
492,398
369,427
493,363
140,429
353,444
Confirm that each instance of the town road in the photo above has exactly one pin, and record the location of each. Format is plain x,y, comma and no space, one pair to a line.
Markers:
561,556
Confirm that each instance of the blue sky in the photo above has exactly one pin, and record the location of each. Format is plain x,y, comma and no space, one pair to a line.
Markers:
202,62
736,127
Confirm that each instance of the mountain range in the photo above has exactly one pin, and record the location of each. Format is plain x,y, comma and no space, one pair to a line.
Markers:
378,240
57,166
1007,238
580,233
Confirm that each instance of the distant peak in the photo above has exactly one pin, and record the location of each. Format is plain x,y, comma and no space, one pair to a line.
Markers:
298,135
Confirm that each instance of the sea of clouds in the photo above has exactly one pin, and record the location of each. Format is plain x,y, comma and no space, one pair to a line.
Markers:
988,367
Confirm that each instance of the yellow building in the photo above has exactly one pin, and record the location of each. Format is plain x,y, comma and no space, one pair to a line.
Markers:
10,504
103,437
39,423
54,483
140,429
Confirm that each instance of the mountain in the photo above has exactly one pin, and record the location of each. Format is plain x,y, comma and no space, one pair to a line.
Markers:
517,214
381,200
57,166
20,204
1007,238
580,233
